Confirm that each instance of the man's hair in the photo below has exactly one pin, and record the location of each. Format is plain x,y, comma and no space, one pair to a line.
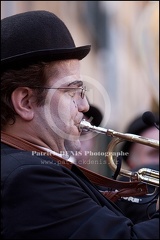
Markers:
31,76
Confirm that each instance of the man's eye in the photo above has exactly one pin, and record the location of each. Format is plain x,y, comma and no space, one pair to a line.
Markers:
72,92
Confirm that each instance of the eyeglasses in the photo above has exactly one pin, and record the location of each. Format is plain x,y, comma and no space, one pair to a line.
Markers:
72,90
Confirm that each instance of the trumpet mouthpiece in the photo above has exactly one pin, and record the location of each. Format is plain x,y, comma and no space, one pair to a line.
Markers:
84,126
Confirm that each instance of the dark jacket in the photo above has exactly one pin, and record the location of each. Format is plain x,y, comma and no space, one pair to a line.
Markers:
44,200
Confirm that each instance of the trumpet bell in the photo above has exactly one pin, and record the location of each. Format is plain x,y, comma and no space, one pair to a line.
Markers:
145,175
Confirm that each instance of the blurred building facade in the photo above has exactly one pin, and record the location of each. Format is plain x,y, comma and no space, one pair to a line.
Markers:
125,52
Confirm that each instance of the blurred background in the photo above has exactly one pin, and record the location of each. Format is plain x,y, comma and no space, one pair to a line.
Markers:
124,58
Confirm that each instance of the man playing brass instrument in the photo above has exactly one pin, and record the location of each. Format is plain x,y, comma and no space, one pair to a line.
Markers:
43,101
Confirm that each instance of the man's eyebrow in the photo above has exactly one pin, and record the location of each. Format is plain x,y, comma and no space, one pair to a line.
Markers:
77,82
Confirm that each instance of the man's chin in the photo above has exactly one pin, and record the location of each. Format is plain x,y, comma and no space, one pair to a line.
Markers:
72,146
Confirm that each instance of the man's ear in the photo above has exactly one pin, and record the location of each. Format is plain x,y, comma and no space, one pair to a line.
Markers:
23,101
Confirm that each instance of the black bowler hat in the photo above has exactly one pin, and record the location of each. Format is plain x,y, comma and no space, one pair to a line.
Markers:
34,36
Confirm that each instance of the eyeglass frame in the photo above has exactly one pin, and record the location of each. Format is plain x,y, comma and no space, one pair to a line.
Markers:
83,88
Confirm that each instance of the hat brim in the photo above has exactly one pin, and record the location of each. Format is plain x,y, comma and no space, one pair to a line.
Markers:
45,55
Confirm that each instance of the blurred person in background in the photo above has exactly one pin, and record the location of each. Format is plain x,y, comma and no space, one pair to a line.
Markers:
140,156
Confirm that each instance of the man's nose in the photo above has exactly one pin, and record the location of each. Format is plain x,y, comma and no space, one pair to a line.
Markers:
83,105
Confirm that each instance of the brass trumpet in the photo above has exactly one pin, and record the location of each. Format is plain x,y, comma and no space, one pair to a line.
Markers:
145,175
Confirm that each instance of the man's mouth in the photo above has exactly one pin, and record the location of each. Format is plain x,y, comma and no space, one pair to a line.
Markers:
78,123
